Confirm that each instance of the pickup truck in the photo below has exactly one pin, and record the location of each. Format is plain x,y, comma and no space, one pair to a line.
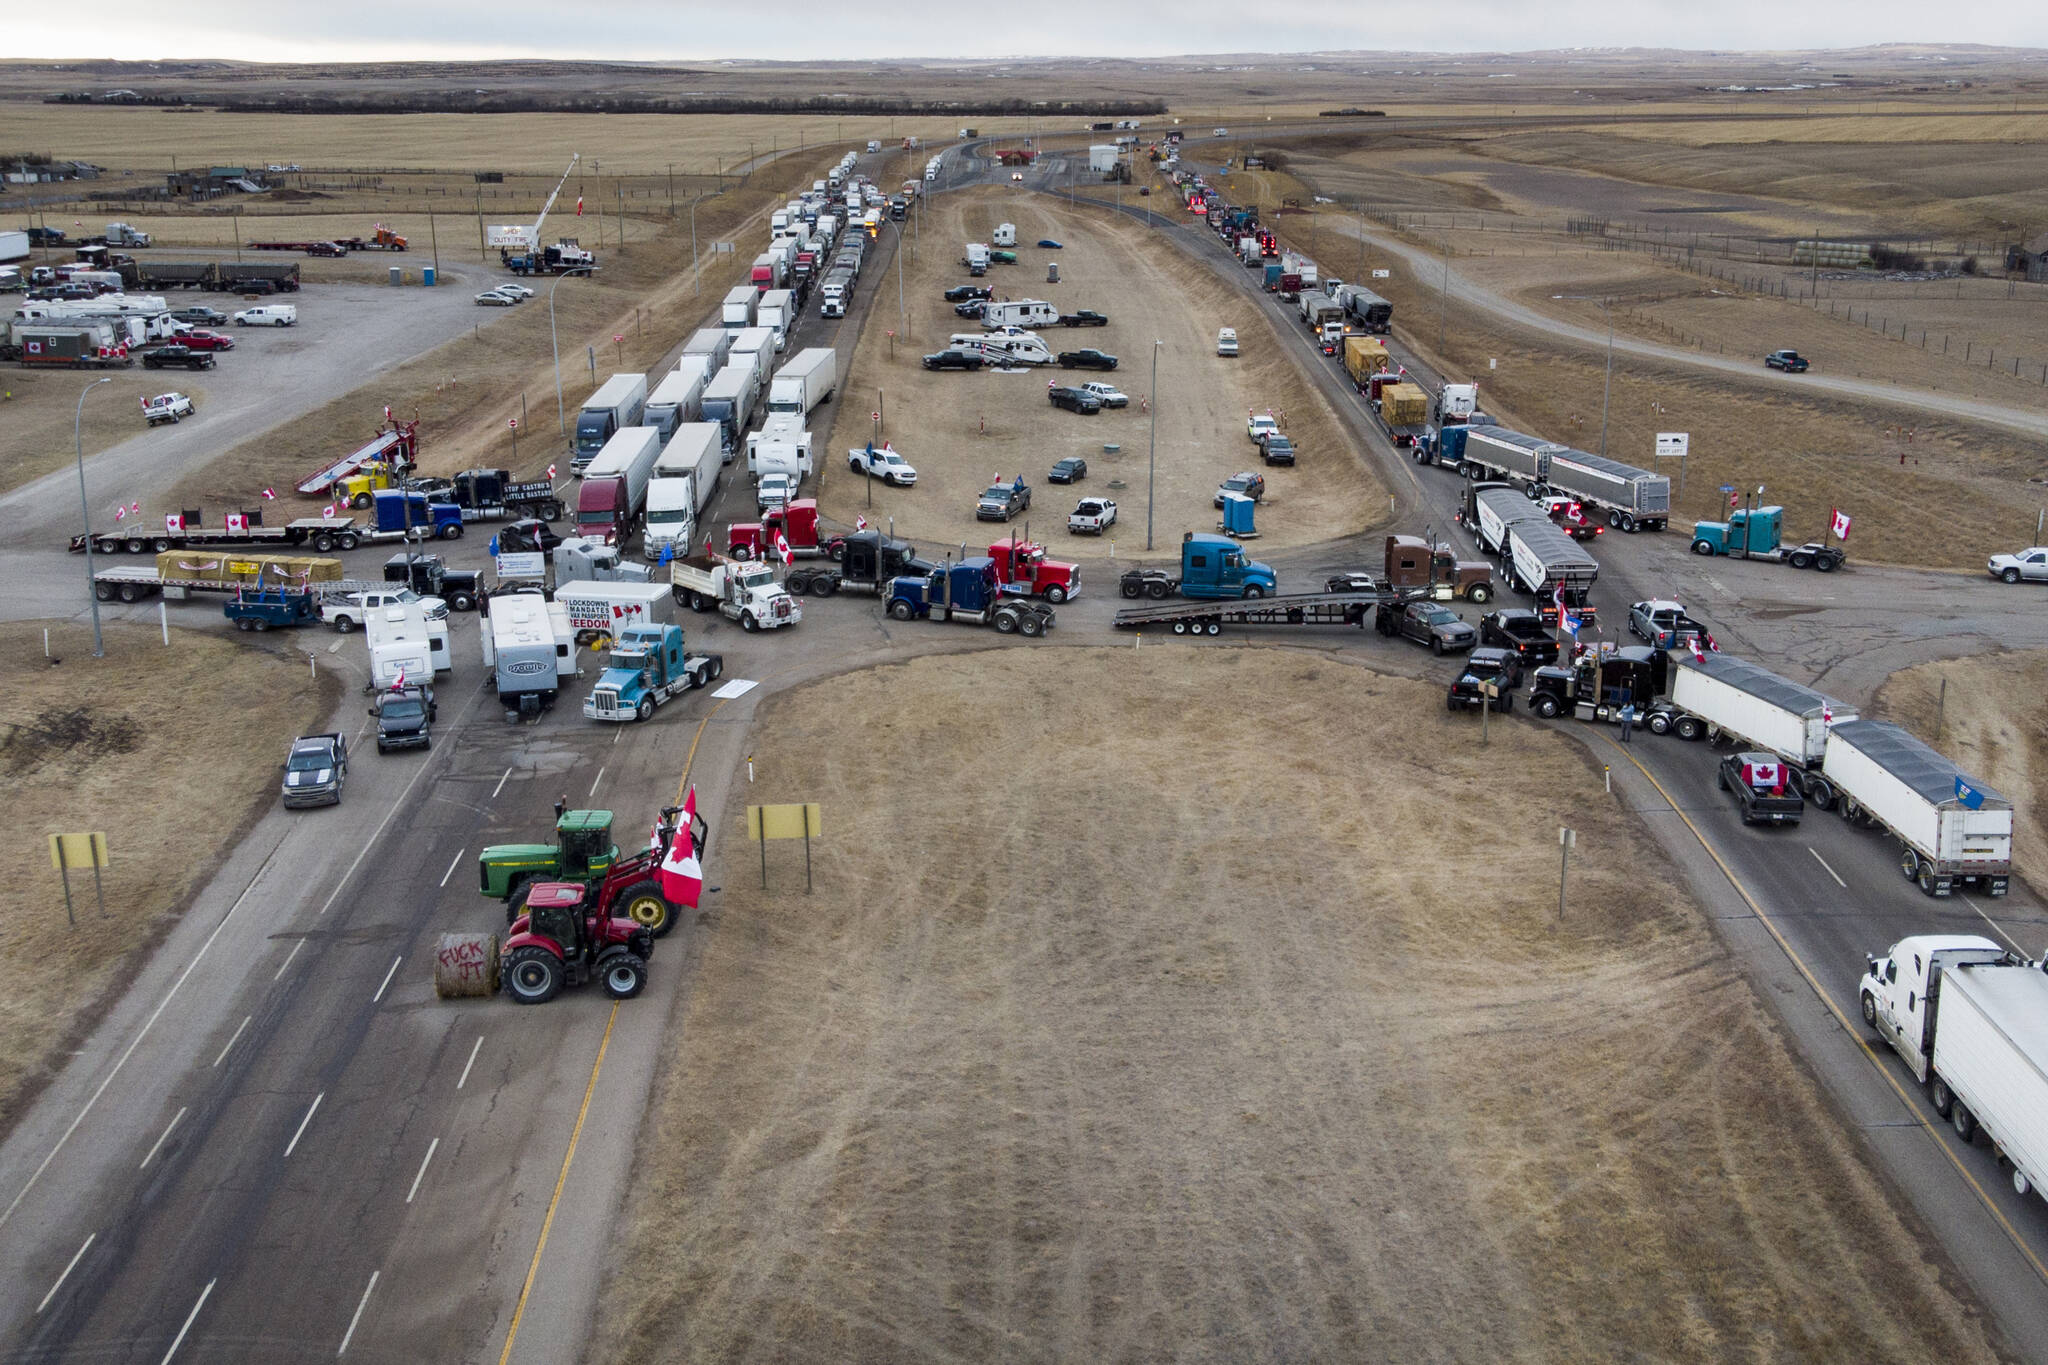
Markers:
1427,623
315,771
1763,792
884,464
1092,516
1664,624
405,718
1521,630
1257,427
1002,502
348,611
167,407
175,356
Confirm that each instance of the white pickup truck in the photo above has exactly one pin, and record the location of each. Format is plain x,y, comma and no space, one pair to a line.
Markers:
1092,517
347,611
884,464
742,592
166,407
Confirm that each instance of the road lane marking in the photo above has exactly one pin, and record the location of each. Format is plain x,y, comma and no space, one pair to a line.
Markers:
232,1041
1878,1064
190,1317
423,1170
555,1200
471,1062
289,956
386,983
69,1266
1824,863
161,1139
501,784
361,1304
451,867
304,1121
378,833
593,784
1993,923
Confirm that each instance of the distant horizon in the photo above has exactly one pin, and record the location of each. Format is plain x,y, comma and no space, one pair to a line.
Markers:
649,32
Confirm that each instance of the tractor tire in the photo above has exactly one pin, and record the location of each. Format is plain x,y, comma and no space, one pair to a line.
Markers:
748,623
452,531
532,975
1703,547
515,897
1545,707
623,975
1006,623
645,711
643,903
462,601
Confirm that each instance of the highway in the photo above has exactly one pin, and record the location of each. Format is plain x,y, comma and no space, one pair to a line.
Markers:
279,1145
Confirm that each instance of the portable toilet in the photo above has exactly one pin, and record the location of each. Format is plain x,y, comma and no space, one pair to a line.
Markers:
1237,515
397,274
427,276
1052,272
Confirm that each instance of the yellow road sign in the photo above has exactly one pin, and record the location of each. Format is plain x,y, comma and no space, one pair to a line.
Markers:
77,850
789,821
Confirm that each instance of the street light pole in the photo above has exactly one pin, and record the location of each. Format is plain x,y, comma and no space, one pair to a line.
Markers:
561,414
1607,388
85,509
1152,452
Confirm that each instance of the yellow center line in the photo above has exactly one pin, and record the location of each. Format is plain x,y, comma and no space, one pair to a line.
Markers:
1882,1067
554,1201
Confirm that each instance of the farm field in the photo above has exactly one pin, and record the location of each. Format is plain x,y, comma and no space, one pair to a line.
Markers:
1086,1067
936,420
113,745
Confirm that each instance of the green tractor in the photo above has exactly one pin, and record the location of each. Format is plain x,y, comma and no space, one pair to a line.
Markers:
583,852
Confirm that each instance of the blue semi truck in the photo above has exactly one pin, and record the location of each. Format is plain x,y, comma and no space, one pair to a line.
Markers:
968,591
1212,568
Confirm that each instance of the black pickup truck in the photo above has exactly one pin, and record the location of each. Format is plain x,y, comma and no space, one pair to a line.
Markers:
405,718
1763,791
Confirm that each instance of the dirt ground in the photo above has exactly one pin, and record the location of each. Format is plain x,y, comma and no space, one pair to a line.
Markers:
1082,1056
961,429
1994,722
38,409
124,745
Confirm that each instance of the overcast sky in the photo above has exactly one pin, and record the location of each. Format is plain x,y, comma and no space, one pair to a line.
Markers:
646,30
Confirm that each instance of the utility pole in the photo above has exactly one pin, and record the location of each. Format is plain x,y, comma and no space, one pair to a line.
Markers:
1152,451
1443,304
1607,388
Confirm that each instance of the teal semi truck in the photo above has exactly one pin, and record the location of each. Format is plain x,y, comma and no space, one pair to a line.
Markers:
1212,568
648,666
1756,533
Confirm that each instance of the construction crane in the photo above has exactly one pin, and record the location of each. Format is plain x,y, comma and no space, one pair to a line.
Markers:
521,236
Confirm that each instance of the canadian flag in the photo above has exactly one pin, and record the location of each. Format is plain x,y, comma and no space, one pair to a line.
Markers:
579,206
860,523
174,521
682,876
120,514
551,473
398,683
1692,642
270,495
1766,775
1840,524
782,548
387,412
1827,715
329,510
238,521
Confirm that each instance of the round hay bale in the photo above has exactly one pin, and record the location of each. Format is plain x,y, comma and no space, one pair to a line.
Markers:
466,965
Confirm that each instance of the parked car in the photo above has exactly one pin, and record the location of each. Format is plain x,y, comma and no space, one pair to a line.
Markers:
177,357
200,317
1248,483
952,360
167,407
1073,469
961,293
1084,317
1091,516
515,289
405,718
1109,395
1087,359
1003,501
2030,565
203,340
973,308
1427,623
775,490
1277,449
1521,630
1073,400
315,770
1257,426
1050,244
1791,362
1762,788
884,464
492,298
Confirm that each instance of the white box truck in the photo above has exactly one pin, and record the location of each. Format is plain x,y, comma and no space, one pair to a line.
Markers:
1951,828
781,446
729,401
805,382
1722,695
738,309
604,609
777,314
618,403
675,399
713,343
754,347
684,479
1971,1022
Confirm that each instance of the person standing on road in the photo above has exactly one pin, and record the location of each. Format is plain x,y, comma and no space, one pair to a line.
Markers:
1628,720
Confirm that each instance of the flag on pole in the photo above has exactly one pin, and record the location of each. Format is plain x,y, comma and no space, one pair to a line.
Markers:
551,473
270,495
1827,715
682,876
328,511
387,412
860,523
1693,643
120,513
579,206
1840,524
134,509
782,548
398,683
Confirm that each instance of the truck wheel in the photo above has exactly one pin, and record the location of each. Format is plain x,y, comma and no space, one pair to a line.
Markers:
1055,594
748,623
241,623
1545,707
900,610
1133,589
131,592
103,591
1614,520
1801,561
827,585
836,551
260,623
1909,864
1006,623
1964,1122
1436,647
1253,591
742,553
1689,728
624,975
1826,563
1820,794
1938,1094
452,531
323,543
1155,589
1479,593
1212,627
533,975
1721,778
1032,627
1180,627
462,601
2020,1183
1869,1011
552,511
343,625
717,669
361,501
645,711
1703,547
134,547
699,602
643,903
1658,724
347,541
161,544
1928,883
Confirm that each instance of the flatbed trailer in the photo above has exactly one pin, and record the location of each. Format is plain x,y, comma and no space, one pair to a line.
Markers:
320,534
133,583
400,438
1191,617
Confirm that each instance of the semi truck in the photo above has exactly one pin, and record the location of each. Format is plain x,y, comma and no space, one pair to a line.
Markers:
967,591
796,521
777,313
1755,533
806,381
1021,565
738,309
529,648
868,562
713,343
1491,508
614,490
1951,828
648,666
1212,567
739,590
684,477
678,397
729,400
322,535
1970,1021
178,574
1631,499
1718,696
619,402
396,515
1366,310
1541,560
257,277
493,494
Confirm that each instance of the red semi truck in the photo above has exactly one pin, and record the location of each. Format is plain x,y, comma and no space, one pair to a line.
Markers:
798,523
1022,564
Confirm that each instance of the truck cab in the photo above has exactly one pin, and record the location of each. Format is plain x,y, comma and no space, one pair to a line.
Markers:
1410,563
648,666
1215,567
1022,564
1749,532
1598,683
1901,991
394,512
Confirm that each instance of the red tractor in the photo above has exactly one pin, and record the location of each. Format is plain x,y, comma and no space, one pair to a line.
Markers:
567,937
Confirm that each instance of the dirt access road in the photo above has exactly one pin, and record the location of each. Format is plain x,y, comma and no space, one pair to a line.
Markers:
960,429
1098,1055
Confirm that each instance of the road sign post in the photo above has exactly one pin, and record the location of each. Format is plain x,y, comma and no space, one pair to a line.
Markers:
1566,838
1675,445
787,821
79,850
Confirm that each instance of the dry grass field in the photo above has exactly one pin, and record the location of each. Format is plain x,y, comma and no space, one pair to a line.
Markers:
960,429
119,745
38,409
1994,722
1162,1057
